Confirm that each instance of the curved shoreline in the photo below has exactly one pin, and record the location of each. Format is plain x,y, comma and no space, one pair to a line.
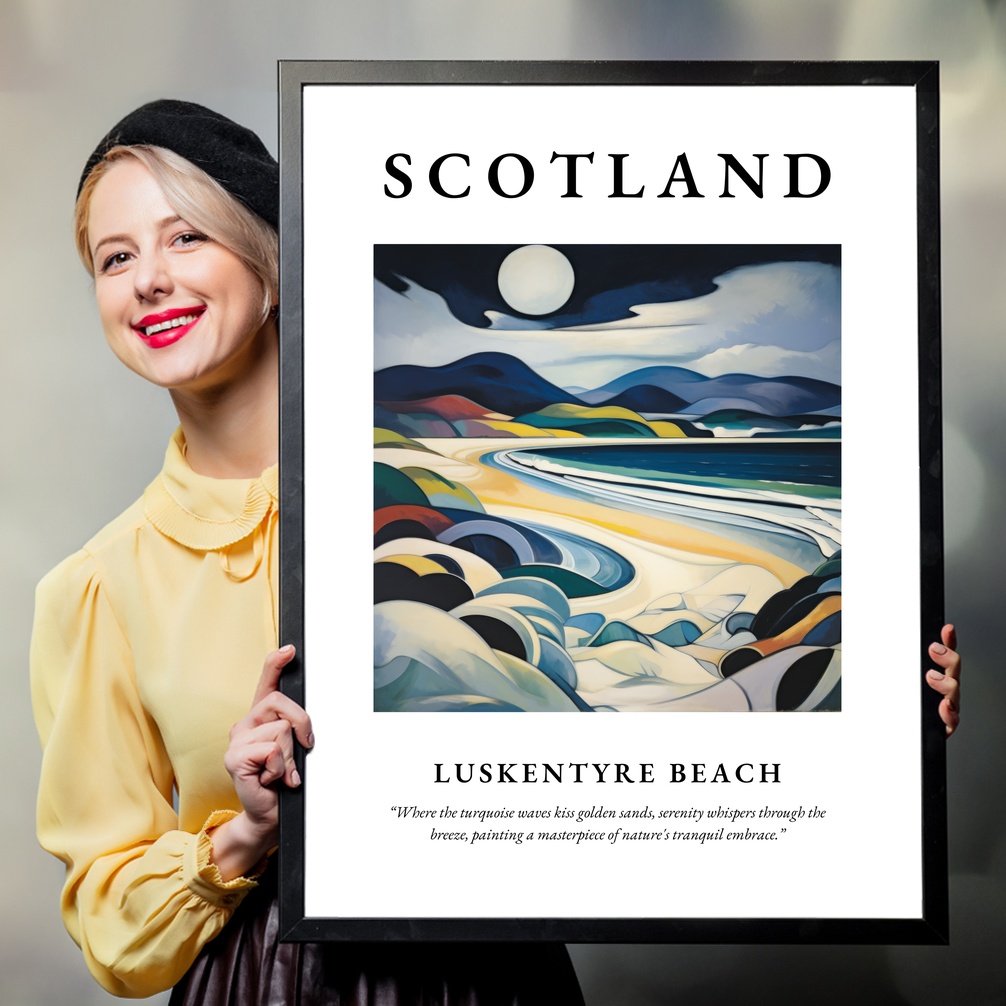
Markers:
803,518
662,539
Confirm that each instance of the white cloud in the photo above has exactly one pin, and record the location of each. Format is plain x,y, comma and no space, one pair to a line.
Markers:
772,361
766,320
792,304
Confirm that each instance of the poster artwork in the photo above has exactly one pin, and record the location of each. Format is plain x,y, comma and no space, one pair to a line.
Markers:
607,477
613,432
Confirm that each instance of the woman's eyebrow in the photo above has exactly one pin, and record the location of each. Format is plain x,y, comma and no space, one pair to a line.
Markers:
109,240
160,225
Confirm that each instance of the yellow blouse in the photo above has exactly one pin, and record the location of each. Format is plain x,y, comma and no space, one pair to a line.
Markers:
147,647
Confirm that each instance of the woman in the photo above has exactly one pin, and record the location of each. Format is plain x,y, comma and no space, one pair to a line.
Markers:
148,643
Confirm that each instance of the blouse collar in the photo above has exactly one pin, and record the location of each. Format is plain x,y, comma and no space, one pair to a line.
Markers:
204,513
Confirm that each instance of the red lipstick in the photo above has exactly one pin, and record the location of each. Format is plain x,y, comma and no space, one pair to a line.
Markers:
165,333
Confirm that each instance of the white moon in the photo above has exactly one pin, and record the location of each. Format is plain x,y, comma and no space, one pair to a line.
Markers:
536,279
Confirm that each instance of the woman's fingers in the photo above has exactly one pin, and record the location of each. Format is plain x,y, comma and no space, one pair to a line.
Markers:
258,761
949,636
278,735
945,655
270,703
951,717
949,712
271,671
274,766
261,749
946,681
277,706
949,688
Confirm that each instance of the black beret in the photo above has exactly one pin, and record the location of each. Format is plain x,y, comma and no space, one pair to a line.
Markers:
231,154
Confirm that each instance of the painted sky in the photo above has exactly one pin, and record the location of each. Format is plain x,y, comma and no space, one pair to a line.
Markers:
765,310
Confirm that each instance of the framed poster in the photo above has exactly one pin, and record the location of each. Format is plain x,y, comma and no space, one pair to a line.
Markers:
634,337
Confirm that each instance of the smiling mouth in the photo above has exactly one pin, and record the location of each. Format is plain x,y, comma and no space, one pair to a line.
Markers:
185,319
167,327
167,322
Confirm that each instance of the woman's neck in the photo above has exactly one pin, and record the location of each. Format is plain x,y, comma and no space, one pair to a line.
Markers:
231,427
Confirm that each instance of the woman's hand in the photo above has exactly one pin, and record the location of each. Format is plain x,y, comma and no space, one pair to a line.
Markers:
947,682
260,753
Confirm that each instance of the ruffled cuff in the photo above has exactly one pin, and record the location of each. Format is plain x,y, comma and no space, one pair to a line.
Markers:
203,878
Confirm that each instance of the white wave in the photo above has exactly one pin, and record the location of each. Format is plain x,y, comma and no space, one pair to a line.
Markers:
571,472
759,509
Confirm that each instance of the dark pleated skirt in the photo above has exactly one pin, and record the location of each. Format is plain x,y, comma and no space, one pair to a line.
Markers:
246,965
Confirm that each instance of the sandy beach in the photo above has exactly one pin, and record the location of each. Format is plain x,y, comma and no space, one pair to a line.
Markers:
671,545
654,639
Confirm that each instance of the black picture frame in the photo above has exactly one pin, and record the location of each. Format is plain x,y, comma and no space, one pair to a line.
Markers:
931,926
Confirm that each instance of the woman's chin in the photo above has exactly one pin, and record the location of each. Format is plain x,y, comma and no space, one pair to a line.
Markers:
198,365
172,374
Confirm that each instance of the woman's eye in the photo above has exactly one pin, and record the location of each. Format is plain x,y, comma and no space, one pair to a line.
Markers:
190,238
114,261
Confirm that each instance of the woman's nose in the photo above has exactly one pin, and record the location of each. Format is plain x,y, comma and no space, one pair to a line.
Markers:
152,277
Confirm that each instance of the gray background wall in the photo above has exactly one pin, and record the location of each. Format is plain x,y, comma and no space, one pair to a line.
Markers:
82,436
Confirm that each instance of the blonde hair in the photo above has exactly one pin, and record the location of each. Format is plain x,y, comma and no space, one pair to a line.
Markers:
199,200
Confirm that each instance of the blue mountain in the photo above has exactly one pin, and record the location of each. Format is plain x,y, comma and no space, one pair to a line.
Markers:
776,396
647,398
666,378
497,381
